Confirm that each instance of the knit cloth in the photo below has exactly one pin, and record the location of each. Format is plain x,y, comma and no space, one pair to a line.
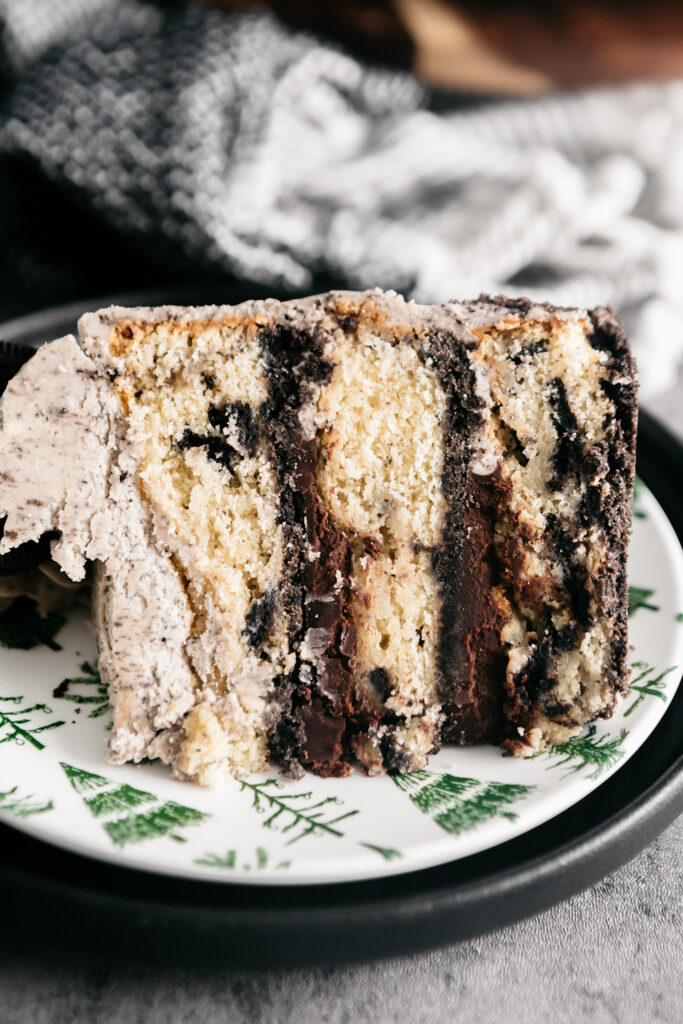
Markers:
141,143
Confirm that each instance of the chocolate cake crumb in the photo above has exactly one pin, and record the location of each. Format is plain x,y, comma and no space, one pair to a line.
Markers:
236,419
259,618
379,678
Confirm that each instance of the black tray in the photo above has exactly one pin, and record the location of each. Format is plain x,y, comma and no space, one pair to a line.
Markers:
144,914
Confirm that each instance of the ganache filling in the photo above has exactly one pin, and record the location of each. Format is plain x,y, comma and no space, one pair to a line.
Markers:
317,709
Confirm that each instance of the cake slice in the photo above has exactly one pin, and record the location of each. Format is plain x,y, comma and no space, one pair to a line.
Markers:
336,530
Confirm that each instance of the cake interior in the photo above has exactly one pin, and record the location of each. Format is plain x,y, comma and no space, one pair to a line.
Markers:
198,407
193,400
379,426
392,530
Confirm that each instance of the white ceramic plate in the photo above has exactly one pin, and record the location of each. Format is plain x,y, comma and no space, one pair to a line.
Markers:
56,785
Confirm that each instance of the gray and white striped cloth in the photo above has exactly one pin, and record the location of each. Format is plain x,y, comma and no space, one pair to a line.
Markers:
231,144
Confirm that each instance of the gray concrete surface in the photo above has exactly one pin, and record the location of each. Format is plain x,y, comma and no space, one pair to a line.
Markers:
611,955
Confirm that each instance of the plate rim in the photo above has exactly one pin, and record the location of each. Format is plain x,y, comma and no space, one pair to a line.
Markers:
439,909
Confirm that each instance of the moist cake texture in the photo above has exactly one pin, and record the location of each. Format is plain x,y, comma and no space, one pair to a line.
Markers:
338,530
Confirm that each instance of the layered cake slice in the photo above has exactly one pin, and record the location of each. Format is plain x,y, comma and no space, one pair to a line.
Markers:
338,530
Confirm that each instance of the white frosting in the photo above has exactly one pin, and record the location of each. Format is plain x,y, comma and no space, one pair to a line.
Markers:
67,467
56,447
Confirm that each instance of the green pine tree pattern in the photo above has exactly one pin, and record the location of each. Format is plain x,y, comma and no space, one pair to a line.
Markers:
301,814
385,852
15,722
23,627
638,491
679,617
231,861
646,684
22,806
127,814
587,751
95,695
459,804
639,597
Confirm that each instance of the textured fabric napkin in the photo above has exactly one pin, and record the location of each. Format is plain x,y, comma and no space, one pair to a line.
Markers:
139,142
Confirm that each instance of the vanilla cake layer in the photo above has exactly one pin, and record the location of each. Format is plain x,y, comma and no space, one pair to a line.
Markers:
336,530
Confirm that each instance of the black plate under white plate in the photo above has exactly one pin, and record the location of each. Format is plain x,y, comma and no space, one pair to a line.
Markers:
113,906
